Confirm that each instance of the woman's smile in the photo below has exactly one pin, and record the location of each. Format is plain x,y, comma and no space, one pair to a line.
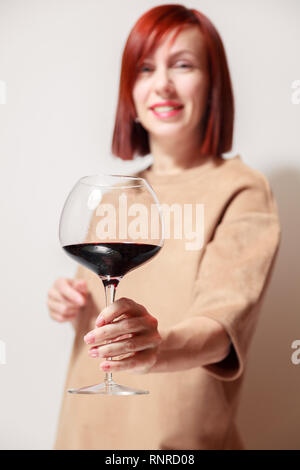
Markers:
166,110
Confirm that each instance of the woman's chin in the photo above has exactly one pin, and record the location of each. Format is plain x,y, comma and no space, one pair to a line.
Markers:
167,131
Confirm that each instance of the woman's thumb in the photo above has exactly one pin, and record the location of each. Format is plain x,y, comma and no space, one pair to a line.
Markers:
80,284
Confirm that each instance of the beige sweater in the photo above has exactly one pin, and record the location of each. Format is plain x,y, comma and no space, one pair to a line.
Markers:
225,280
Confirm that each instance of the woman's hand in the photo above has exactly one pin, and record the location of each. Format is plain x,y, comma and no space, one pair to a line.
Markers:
66,298
135,333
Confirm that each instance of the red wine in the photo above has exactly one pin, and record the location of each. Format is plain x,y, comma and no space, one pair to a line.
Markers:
111,259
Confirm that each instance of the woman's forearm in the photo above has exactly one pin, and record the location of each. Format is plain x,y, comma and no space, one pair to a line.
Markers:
194,342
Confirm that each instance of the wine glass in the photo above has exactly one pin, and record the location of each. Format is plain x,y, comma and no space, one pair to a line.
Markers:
111,224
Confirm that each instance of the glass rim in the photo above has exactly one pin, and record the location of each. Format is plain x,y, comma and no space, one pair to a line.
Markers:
83,180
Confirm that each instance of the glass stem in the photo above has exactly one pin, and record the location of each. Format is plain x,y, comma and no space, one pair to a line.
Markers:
110,286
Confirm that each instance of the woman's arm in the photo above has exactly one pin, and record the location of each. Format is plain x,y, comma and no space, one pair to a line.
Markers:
192,343
233,274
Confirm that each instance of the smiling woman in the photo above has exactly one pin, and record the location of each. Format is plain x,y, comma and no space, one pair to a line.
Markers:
187,318
177,55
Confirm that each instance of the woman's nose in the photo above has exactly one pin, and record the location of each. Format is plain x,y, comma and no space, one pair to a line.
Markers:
162,81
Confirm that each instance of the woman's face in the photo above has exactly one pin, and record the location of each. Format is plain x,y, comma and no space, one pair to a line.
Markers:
170,92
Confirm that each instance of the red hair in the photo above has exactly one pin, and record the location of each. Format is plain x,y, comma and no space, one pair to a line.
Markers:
129,137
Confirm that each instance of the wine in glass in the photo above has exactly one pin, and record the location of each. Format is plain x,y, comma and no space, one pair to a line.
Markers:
111,224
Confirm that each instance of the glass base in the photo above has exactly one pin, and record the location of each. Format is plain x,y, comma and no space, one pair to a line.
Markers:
108,388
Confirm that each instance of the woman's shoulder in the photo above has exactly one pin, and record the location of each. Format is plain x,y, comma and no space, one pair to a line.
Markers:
242,173
229,177
249,185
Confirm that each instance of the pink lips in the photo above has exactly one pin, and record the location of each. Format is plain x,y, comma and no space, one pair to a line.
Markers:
166,114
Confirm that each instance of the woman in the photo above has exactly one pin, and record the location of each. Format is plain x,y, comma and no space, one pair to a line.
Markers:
192,312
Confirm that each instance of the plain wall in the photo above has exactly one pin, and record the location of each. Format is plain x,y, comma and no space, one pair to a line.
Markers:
60,60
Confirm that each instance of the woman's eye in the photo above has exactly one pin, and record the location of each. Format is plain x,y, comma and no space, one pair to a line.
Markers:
183,65
145,68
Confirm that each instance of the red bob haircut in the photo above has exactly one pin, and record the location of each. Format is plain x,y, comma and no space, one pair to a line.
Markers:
130,138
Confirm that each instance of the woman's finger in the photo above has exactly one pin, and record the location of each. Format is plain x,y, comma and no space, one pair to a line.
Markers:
55,296
139,363
69,293
61,318
120,307
80,285
62,308
112,330
130,345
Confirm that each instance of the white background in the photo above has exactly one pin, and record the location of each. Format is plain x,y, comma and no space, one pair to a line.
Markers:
60,61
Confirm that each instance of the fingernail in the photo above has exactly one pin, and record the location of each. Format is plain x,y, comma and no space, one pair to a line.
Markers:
89,338
93,353
100,320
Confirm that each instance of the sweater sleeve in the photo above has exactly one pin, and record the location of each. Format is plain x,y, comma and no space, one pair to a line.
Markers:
235,271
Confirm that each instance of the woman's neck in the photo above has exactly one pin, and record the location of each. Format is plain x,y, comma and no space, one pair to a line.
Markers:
173,157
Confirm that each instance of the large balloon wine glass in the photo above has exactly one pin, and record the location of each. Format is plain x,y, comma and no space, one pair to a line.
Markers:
111,224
